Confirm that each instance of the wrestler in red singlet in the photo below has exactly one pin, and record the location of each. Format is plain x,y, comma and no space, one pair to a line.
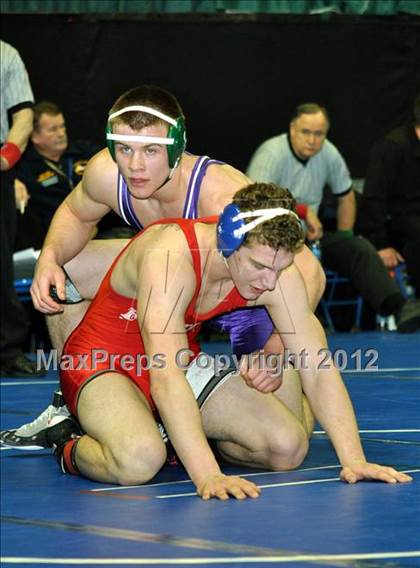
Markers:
110,327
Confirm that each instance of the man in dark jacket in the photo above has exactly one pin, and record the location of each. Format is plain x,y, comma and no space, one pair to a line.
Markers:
390,207
49,169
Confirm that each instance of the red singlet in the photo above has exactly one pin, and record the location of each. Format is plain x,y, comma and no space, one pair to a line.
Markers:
109,339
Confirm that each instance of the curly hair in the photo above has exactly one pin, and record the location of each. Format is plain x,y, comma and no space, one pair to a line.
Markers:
149,96
284,231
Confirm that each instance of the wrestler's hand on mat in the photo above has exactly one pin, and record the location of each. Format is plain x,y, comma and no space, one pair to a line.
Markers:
47,273
359,470
258,374
221,486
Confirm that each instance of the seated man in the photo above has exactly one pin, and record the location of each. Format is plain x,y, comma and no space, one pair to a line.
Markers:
169,279
49,169
305,161
144,175
390,204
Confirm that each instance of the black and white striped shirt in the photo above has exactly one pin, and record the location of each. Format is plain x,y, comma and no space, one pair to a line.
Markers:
16,92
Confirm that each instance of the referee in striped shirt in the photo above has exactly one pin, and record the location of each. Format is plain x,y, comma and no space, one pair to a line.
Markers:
305,161
16,117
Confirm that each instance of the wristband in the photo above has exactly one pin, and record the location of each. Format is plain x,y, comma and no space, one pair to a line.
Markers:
345,232
11,153
302,210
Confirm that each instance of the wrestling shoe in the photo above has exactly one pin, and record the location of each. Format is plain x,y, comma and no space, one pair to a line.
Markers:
60,431
33,436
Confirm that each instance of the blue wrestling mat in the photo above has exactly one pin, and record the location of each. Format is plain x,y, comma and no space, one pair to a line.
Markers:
306,517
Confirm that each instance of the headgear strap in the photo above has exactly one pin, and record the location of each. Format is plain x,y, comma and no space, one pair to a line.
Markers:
137,137
262,214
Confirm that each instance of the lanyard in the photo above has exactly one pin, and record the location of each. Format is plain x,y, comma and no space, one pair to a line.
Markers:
61,172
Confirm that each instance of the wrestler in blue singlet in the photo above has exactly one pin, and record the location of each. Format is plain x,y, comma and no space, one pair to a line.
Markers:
249,328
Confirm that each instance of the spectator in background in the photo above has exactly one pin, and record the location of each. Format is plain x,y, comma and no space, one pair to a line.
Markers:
390,205
16,103
46,174
304,161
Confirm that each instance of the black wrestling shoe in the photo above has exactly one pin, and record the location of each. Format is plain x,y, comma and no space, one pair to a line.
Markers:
32,436
51,429
61,431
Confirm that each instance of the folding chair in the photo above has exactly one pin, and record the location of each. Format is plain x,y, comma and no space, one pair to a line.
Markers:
329,300
22,286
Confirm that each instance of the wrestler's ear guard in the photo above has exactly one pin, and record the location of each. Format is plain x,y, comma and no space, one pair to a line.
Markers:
230,234
177,132
110,143
231,228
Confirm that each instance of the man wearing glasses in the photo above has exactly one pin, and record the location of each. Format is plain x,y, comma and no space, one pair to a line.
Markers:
305,161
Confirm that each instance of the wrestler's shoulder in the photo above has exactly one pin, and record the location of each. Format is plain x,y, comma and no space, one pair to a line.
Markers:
100,170
228,174
220,184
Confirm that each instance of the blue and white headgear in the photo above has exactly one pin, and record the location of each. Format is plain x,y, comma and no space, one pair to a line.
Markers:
231,228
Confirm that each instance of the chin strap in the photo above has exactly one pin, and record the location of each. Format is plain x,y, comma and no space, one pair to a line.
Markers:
169,177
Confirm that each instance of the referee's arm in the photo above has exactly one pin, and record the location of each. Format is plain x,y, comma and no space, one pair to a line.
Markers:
18,136
346,211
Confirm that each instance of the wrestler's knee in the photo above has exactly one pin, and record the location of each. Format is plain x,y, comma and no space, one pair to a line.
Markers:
362,247
287,450
135,462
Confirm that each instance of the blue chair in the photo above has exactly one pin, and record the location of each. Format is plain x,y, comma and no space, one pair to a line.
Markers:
22,286
401,278
329,301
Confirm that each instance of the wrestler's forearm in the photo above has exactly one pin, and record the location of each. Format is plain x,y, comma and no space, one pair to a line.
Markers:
333,409
324,388
66,237
181,416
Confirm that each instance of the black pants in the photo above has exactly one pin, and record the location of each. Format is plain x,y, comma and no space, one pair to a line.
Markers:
357,259
14,323
404,233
